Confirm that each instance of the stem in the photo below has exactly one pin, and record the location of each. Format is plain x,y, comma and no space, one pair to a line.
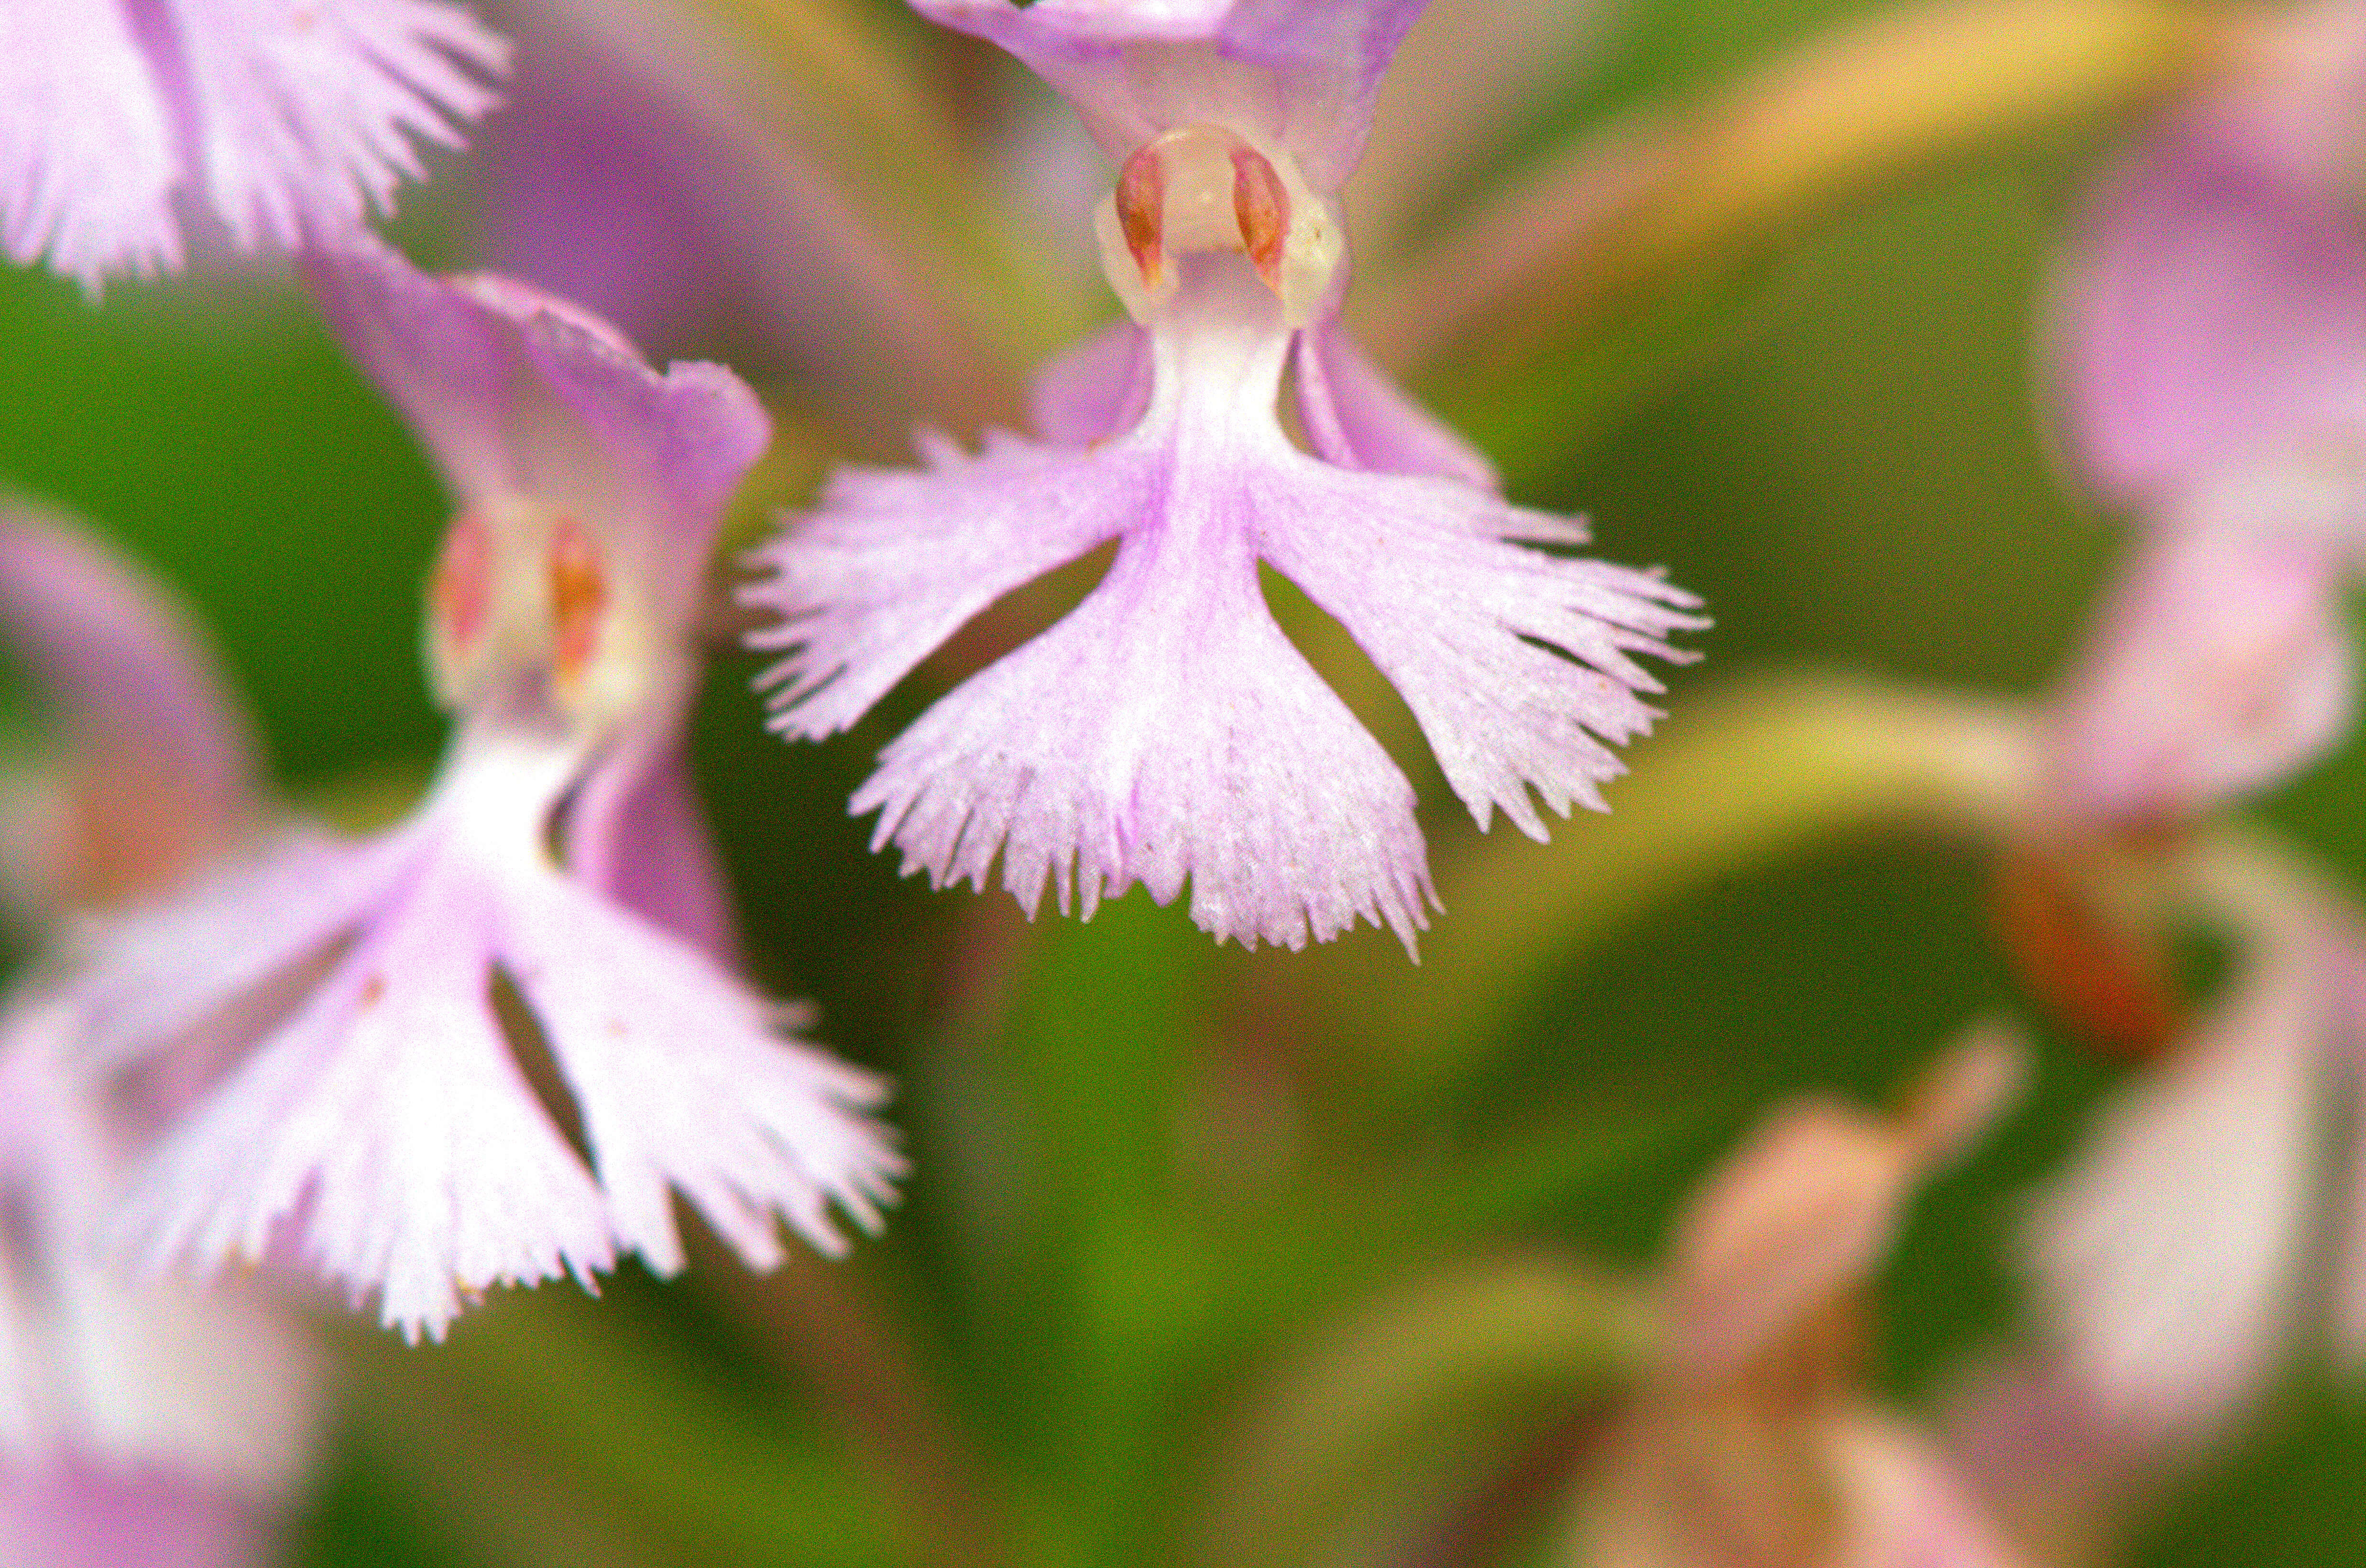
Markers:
1742,780
1561,254
823,1320
1422,1375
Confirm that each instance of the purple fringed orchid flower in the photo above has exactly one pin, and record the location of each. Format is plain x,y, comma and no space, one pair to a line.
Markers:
140,1423
2209,344
285,120
555,891
1168,729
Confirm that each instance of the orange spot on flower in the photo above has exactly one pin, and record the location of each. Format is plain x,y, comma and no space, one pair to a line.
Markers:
1141,211
460,594
1261,204
579,596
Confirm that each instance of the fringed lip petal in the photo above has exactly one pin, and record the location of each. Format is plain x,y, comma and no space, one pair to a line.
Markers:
685,1082
88,165
386,1124
1519,664
894,562
1166,730
294,118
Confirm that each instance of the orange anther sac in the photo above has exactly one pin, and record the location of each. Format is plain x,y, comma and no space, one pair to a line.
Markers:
460,593
2108,984
1262,205
579,596
1141,211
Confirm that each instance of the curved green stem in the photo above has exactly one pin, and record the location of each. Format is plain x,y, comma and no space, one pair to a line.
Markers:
1405,1383
1563,253
1738,781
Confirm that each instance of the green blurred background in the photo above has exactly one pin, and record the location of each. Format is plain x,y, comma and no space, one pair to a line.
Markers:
1850,467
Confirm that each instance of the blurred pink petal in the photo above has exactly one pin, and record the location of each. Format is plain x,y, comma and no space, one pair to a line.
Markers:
293,119
156,767
2168,1259
1802,1213
117,655
1300,72
133,1378
1358,417
2047,1463
646,166
2221,662
1901,1504
86,1515
2212,313
1805,1211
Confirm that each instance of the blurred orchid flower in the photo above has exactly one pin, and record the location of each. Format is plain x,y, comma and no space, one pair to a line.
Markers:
1166,730
2221,660
2209,344
146,1422
287,120
2172,1260
156,772
139,1424
1758,1447
555,891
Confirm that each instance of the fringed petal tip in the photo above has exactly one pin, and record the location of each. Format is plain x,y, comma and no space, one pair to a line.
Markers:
893,560
300,121
481,1072
1519,663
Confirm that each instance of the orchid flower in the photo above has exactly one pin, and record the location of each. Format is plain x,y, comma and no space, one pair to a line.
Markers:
1166,730
554,893
140,1423
283,121
2209,344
